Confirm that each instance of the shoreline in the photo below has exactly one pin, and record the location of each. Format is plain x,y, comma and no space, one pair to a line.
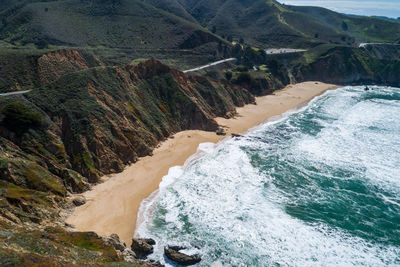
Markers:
113,205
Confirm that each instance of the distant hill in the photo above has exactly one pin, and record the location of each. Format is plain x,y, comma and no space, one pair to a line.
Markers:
109,23
268,22
262,22
364,29
182,24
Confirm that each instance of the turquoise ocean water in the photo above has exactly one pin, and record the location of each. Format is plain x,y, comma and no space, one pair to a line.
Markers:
319,187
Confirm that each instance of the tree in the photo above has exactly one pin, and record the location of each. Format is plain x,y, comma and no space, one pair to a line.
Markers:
220,46
237,51
345,27
230,38
41,44
214,29
241,40
244,78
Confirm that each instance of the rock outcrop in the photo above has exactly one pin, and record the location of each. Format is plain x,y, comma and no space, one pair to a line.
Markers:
114,241
173,254
142,246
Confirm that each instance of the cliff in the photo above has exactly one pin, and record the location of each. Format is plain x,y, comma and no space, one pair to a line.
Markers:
348,65
84,122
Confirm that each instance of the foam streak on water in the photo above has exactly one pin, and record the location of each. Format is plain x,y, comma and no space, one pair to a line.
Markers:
320,187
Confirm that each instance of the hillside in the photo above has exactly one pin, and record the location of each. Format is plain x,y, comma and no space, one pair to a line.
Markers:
270,23
119,29
347,65
85,123
364,29
263,23
98,23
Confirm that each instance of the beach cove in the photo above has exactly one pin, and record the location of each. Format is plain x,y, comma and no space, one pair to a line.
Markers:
112,206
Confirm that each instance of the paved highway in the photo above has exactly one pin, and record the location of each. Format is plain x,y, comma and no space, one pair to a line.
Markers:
15,93
274,51
210,65
365,44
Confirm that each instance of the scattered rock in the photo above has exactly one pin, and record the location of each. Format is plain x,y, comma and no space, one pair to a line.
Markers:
69,225
236,135
366,88
79,201
172,253
220,131
129,255
142,246
10,216
115,242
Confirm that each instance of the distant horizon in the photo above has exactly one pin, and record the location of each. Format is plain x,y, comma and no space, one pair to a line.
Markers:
387,8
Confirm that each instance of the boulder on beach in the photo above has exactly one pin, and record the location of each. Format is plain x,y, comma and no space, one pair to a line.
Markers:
79,201
220,131
142,246
173,254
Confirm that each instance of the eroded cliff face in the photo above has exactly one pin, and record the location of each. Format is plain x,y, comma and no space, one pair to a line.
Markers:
84,122
347,65
24,71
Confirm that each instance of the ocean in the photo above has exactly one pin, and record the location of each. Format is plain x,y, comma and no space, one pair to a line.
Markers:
318,187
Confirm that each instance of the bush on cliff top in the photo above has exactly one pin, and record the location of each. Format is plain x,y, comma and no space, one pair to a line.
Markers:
19,118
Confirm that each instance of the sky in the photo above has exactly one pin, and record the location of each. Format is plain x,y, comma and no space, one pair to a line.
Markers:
388,8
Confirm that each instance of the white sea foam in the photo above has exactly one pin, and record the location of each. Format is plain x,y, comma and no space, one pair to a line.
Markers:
238,201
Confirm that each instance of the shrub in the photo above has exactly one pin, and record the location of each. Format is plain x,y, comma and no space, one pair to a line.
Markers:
19,118
228,75
241,68
41,44
345,27
244,78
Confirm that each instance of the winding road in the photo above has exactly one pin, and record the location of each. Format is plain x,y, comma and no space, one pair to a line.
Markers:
270,51
274,51
365,44
15,93
210,65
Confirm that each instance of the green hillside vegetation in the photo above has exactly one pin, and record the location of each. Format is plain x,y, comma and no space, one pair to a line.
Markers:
176,30
263,23
96,23
347,65
117,31
364,29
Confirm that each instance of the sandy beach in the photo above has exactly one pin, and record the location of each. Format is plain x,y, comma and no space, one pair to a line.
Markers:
112,205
